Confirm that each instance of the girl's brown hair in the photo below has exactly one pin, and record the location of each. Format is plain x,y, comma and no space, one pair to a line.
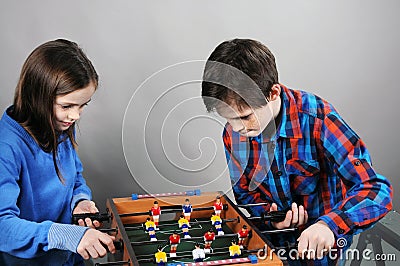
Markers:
54,68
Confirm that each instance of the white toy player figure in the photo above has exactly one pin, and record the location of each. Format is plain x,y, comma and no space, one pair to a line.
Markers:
198,253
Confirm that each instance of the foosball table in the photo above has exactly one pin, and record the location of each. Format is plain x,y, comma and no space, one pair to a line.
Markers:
129,215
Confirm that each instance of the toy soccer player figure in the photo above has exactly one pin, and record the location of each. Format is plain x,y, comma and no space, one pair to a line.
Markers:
209,237
155,212
217,222
243,234
184,225
149,224
218,206
187,210
174,240
234,249
198,253
161,257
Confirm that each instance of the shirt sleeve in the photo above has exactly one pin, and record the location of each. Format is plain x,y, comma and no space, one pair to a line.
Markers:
19,237
240,182
368,195
65,236
81,190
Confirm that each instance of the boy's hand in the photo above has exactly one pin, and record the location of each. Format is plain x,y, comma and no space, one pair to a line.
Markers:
294,217
86,206
316,241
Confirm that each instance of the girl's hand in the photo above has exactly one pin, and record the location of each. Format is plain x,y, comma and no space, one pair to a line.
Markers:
87,206
94,244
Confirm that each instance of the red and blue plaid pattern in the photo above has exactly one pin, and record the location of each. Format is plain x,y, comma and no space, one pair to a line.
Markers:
316,160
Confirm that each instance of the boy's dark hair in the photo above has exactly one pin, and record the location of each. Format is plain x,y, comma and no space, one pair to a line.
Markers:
54,68
234,72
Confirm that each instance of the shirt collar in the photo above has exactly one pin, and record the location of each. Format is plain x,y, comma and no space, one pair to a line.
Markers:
290,123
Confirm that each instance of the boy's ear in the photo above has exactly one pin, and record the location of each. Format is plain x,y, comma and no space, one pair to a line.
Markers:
275,92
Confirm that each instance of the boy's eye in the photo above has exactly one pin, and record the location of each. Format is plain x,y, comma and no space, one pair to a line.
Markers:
247,117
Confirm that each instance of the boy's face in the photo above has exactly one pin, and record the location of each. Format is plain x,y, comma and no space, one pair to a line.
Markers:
246,121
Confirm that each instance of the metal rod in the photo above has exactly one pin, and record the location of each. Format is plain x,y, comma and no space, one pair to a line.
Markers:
114,263
170,210
178,257
192,222
279,230
148,242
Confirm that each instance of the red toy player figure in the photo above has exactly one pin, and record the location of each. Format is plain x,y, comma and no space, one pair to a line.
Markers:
218,206
243,234
209,237
155,212
174,240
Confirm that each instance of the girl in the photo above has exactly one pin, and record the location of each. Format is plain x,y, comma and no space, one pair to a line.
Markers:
41,182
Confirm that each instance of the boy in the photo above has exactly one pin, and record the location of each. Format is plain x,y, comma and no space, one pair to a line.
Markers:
291,149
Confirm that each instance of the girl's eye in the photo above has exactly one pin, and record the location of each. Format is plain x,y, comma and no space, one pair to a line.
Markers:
65,106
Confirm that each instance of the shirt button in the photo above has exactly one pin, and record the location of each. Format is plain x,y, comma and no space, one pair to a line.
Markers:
340,231
279,173
357,163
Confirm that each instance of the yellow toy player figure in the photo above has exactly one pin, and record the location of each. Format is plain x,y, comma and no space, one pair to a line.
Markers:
243,234
184,225
217,222
156,212
149,224
161,257
234,249
218,206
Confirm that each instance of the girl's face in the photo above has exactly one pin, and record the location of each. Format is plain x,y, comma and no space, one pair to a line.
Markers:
68,107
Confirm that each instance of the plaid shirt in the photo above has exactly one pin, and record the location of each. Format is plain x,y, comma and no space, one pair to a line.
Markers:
314,159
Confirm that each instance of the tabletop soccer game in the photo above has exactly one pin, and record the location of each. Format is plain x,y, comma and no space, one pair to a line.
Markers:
188,228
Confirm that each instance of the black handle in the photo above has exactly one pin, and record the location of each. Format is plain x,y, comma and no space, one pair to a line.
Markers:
101,217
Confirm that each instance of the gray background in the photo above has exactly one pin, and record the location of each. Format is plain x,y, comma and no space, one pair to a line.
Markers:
345,51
